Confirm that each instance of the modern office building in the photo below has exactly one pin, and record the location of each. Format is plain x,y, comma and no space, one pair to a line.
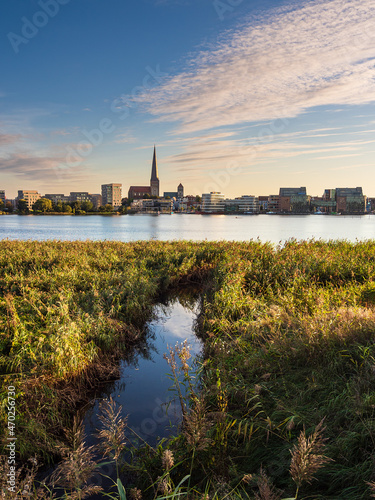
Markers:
350,200
294,200
244,204
29,195
111,194
2,195
213,203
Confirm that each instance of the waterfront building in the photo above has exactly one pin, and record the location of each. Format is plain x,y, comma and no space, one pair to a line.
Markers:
263,203
81,196
29,195
180,191
154,181
96,200
350,200
2,195
111,194
152,205
213,202
273,203
55,198
294,200
170,194
138,192
187,203
246,203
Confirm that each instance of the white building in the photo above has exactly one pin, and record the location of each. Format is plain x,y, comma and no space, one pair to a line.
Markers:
213,202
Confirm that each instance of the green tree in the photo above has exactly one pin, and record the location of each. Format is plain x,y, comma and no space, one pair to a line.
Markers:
1,205
198,199
9,207
43,205
23,207
106,208
87,206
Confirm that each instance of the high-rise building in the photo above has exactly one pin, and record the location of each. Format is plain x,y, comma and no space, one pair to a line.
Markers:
111,194
154,182
180,191
2,195
29,195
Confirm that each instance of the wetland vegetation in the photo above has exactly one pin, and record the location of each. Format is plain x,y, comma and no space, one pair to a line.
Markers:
286,399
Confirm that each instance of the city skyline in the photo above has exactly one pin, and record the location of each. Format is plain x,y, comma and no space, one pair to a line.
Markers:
239,99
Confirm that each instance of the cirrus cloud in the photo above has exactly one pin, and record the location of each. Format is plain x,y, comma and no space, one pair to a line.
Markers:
281,65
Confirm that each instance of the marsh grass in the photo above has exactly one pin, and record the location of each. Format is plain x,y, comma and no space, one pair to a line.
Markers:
288,340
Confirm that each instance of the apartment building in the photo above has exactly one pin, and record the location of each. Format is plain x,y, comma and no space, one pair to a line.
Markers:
30,196
55,198
2,195
112,194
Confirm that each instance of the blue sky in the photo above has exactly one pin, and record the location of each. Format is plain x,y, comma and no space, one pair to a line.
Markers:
239,96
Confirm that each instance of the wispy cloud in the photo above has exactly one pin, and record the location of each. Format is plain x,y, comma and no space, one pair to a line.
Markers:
6,139
125,138
321,53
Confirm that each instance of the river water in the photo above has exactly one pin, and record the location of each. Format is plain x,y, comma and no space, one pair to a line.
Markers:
273,228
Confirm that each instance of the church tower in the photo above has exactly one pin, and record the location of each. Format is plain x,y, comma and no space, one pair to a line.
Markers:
154,183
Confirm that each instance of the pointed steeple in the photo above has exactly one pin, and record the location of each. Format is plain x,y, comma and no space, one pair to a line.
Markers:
154,171
154,184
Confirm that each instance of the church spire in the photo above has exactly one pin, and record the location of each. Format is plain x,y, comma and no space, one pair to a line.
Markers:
154,184
154,171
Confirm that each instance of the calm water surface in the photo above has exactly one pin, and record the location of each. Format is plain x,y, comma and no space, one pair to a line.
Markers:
273,228
144,386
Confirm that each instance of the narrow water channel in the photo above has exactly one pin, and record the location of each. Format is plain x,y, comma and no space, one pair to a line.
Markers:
144,387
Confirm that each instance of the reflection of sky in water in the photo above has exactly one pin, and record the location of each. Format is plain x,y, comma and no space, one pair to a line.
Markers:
272,228
143,389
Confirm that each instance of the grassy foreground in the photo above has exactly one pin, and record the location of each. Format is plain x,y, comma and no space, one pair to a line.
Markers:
289,343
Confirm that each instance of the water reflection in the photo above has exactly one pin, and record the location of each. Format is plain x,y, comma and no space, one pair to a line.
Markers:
143,389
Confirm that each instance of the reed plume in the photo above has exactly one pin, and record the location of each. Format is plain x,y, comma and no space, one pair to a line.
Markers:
307,456
112,435
266,490
77,466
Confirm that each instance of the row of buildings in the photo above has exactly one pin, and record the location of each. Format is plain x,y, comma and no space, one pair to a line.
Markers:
147,199
291,200
111,194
